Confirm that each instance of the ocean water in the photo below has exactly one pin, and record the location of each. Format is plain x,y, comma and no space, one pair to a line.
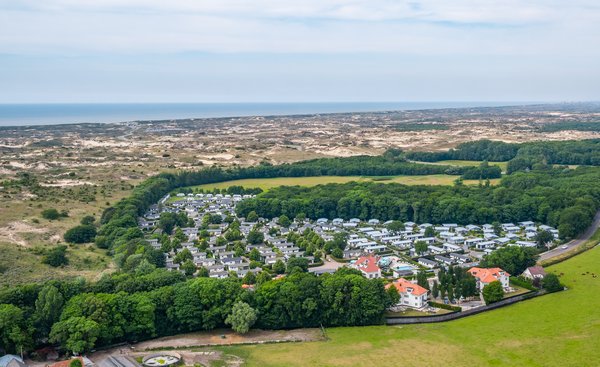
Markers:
50,114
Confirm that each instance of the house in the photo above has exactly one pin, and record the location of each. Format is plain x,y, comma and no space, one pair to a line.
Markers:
443,260
485,276
427,263
411,295
85,362
352,253
368,266
11,360
534,272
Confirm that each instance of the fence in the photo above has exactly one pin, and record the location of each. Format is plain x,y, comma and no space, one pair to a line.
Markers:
458,315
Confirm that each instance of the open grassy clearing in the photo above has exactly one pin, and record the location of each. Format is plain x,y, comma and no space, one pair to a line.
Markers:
560,329
268,183
502,165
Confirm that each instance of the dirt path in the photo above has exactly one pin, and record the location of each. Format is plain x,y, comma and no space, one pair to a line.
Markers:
211,338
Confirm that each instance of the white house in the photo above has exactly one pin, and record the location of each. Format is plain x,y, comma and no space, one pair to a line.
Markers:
485,276
411,295
368,266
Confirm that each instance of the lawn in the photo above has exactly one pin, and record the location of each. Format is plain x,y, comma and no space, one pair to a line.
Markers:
560,329
267,183
502,165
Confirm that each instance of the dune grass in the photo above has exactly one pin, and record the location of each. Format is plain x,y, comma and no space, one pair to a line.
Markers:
560,329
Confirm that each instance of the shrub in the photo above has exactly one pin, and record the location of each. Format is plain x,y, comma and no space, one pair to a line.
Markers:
50,214
56,257
81,234
523,283
444,306
551,283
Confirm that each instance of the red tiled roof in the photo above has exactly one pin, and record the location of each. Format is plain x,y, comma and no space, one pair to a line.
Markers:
487,275
403,286
368,264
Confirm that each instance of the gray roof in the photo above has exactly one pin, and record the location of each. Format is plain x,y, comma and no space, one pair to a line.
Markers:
12,360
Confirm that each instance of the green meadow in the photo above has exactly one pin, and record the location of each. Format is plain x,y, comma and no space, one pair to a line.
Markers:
560,329
268,183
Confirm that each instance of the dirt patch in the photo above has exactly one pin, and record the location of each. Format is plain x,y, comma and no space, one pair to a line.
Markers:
13,232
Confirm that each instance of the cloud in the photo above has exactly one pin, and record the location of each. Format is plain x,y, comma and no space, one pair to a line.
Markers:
308,26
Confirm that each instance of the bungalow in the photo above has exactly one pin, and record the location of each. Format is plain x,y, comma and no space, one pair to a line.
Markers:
526,244
460,258
451,247
404,244
485,276
473,241
375,248
368,266
427,263
534,272
443,260
411,295
456,240
11,360
352,253
435,249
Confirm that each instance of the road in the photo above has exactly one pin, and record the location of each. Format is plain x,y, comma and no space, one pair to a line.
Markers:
574,243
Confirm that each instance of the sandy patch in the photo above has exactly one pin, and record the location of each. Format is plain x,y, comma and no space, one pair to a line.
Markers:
12,232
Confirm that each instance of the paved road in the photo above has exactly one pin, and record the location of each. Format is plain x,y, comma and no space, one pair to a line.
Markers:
574,243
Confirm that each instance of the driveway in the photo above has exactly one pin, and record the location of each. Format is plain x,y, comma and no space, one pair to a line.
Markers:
574,243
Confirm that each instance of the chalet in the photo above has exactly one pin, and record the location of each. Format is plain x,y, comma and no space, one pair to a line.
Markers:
451,247
526,244
427,263
443,260
352,253
534,272
368,266
411,295
460,258
485,276
435,249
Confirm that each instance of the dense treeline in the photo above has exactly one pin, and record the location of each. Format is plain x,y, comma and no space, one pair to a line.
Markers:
564,198
80,316
571,125
572,152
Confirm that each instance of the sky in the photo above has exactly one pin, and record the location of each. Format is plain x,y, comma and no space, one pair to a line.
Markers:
298,51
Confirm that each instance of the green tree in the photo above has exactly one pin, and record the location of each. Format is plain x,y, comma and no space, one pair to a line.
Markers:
542,238
242,317
188,267
420,247
252,217
75,362
297,264
76,334
393,296
81,234
50,214
255,237
338,253
48,307
395,226
435,291
183,256
497,228
284,221
422,279
249,278
513,259
551,283
429,232
279,267
493,292
14,333
56,256
203,272
254,255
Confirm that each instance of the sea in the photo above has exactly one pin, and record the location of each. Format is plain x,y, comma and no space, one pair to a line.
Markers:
76,113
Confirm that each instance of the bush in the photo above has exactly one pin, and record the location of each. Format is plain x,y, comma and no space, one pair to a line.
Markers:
81,234
493,292
50,214
551,283
56,257
523,283
444,306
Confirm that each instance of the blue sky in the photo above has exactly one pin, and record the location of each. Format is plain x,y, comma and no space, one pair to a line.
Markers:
311,50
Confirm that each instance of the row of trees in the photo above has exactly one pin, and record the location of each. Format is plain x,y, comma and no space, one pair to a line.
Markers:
80,316
580,152
564,199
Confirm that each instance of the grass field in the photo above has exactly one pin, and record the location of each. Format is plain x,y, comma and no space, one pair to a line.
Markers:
560,329
268,183
502,165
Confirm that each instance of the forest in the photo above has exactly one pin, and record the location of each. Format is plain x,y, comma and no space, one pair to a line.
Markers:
559,197
570,152
80,316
